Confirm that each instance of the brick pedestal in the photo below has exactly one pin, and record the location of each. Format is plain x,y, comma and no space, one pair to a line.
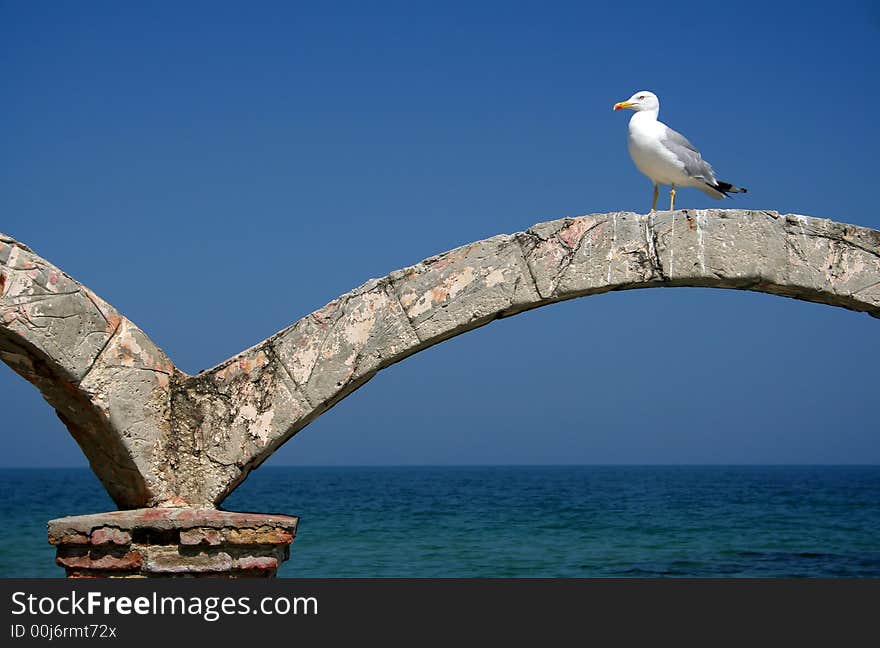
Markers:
172,542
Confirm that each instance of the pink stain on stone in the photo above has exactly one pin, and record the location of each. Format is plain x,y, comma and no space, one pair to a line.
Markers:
572,234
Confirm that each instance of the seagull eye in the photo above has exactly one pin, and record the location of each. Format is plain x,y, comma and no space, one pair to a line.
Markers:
640,98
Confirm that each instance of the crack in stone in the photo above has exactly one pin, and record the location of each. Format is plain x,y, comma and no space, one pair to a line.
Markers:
806,230
868,287
31,319
568,259
330,327
392,294
574,248
98,355
653,242
528,267
99,309
434,312
271,351
27,300
846,241
612,247
835,271
150,369
792,244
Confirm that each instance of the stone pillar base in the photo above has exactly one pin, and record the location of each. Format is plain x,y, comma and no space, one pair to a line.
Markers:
172,542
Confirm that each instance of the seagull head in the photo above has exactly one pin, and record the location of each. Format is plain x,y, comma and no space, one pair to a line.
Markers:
642,100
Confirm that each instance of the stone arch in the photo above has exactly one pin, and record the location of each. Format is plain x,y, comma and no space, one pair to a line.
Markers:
157,436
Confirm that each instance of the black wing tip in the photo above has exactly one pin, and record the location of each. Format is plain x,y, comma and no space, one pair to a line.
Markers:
727,188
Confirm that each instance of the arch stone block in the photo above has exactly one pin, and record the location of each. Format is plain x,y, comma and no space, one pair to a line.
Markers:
106,380
59,319
159,437
472,284
346,342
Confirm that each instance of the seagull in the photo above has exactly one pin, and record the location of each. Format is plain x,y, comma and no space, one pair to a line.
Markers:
666,156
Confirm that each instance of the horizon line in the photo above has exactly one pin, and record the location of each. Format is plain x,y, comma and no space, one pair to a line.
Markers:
499,465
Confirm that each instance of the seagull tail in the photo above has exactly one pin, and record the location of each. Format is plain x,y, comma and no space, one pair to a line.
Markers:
727,188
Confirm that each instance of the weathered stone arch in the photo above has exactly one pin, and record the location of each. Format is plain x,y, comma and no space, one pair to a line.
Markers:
158,437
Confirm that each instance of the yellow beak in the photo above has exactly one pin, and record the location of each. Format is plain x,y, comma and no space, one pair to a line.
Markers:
623,104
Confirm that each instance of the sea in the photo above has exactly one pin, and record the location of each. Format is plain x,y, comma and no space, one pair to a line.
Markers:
518,521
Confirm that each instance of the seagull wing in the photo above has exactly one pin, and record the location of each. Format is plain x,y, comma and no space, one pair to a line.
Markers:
686,153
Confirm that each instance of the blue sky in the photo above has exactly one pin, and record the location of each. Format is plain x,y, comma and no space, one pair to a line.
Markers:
218,170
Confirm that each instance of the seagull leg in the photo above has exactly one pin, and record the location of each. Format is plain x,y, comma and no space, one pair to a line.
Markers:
656,193
672,199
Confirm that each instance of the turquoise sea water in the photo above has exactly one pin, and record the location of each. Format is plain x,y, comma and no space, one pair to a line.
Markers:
523,521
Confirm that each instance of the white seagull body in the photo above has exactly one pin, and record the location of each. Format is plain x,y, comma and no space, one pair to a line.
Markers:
666,156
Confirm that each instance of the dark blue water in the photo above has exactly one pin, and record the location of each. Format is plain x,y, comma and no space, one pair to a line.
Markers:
584,521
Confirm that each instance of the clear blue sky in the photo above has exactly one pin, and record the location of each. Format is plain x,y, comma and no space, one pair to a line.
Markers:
218,170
